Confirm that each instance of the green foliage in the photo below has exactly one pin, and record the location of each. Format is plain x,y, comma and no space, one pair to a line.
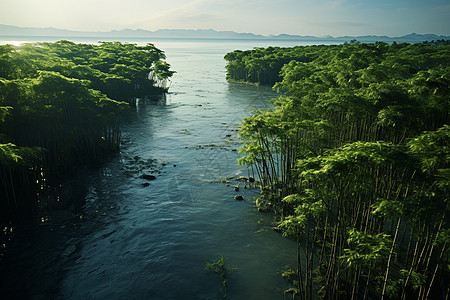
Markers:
219,268
443,237
263,65
353,156
384,207
118,70
62,103
292,277
9,154
365,250
292,225
432,148
416,280
4,111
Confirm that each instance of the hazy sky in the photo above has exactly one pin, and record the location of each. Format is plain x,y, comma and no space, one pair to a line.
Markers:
303,17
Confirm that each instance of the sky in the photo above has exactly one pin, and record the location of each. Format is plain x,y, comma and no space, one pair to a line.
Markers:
303,17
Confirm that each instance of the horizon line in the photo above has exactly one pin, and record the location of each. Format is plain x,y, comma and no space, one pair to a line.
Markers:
220,31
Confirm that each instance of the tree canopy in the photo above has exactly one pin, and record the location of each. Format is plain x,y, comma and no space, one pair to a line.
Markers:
354,159
61,106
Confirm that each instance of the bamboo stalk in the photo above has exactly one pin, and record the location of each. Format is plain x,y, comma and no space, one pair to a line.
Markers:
383,292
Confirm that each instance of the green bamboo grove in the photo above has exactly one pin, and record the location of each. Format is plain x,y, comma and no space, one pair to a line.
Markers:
354,159
61,106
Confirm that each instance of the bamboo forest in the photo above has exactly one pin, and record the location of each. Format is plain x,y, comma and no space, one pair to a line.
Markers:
347,165
61,106
354,160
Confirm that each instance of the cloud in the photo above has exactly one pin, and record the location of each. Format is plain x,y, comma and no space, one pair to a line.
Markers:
194,14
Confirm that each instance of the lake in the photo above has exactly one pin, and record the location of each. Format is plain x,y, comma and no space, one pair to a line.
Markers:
104,234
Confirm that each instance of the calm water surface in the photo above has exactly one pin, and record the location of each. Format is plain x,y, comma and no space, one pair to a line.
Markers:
104,235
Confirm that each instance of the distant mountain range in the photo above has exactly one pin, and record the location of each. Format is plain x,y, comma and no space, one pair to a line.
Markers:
15,31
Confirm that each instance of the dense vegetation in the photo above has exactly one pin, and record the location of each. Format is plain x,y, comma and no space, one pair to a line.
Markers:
355,160
60,107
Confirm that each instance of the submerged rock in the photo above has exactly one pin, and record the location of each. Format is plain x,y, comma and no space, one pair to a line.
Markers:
145,184
147,177
238,197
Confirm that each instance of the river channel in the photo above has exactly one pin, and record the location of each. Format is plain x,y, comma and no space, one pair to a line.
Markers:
106,234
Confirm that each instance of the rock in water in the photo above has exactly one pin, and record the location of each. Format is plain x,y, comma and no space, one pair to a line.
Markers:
147,177
238,197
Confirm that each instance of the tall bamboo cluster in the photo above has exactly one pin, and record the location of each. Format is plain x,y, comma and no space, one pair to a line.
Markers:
355,160
262,65
61,106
